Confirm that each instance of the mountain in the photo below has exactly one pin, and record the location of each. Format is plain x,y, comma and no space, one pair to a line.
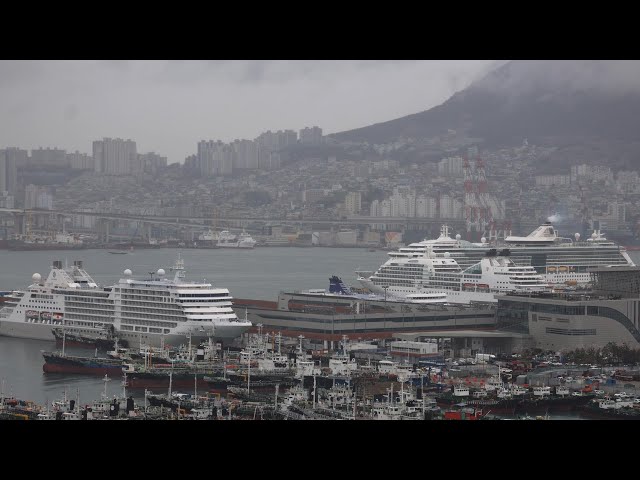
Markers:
546,101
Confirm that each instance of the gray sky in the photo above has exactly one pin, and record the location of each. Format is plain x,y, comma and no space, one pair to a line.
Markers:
168,106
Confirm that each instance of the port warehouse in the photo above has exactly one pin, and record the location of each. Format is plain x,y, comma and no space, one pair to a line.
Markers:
328,328
468,329
559,322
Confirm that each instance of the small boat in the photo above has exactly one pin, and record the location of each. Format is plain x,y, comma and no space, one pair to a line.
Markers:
117,253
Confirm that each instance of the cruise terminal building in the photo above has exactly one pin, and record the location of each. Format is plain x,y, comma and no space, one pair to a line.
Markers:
566,321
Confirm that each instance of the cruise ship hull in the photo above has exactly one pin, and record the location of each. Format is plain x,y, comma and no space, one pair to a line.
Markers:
222,333
37,331
234,245
453,296
33,331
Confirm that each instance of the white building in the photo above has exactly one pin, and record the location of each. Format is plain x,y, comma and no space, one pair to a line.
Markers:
374,209
403,205
591,173
31,192
618,211
450,207
553,180
44,200
451,167
80,161
385,208
353,203
426,207
215,158
246,154
413,349
150,163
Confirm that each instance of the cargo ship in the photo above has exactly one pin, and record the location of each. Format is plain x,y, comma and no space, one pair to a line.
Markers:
55,362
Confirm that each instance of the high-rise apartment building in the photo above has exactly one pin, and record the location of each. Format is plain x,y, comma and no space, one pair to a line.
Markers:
114,156
311,136
10,159
49,157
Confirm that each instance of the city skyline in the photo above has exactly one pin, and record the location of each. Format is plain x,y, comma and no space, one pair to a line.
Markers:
169,106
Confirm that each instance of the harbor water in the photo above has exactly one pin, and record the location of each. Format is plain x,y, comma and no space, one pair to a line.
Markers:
259,273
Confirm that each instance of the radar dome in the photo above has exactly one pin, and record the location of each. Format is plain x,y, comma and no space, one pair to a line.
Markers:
593,235
161,272
128,272
458,236
577,235
447,254
36,277
483,240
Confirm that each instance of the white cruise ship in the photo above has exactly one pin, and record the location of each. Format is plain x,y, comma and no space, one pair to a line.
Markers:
230,240
560,260
147,310
408,273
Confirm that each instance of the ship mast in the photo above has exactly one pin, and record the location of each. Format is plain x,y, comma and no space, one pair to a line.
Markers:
249,374
63,335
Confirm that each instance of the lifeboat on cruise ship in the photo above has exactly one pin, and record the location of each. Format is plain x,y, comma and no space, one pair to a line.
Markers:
563,269
469,286
551,269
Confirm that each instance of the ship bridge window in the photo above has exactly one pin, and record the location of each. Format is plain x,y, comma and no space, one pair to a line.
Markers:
475,269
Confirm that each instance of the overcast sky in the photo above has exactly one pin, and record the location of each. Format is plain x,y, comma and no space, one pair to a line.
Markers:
168,106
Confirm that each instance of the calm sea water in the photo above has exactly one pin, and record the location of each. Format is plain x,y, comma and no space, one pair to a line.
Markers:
260,273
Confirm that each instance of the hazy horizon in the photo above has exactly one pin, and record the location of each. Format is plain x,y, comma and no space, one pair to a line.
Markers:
168,106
